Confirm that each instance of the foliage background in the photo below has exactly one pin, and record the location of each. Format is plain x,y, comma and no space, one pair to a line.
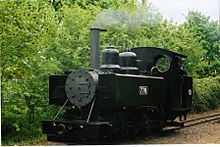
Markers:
39,38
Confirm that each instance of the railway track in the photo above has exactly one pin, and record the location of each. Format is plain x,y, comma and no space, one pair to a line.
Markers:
200,120
214,118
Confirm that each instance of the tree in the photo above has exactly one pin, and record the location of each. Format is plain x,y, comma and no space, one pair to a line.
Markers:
73,41
36,43
207,32
86,4
28,29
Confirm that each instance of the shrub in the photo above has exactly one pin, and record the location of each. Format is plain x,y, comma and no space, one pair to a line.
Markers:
206,93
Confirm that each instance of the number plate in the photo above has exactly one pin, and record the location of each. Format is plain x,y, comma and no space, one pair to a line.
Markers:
143,90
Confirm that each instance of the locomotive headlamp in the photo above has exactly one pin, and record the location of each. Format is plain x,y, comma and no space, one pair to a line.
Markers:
80,87
190,92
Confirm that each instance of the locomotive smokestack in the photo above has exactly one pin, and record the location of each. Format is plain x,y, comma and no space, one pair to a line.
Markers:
94,47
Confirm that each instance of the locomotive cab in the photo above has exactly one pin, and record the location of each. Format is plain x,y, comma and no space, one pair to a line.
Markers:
178,86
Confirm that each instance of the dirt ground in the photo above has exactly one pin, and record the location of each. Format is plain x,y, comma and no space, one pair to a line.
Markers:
208,133
201,134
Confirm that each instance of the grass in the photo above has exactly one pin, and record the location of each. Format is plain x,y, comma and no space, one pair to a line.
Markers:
26,142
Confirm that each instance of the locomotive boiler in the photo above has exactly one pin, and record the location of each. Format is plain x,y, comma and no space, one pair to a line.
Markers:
130,94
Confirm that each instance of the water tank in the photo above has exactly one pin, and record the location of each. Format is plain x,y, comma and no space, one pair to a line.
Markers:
128,63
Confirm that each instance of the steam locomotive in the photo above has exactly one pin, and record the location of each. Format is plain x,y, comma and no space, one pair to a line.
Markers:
129,95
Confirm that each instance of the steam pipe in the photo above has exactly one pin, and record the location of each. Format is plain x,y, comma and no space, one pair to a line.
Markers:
94,47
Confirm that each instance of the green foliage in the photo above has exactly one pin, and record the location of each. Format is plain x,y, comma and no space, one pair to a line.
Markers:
28,29
36,43
73,41
206,93
207,33
87,4
42,140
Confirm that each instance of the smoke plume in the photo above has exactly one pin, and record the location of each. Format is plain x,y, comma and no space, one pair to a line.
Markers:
125,18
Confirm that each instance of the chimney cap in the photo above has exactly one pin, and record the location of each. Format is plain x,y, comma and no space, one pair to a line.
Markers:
103,30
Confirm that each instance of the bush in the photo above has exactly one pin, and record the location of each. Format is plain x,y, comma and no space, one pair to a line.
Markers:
206,93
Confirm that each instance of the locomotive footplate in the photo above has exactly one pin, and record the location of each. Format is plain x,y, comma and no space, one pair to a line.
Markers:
76,131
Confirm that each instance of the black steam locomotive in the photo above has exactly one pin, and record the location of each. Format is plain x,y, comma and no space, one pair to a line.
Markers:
130,94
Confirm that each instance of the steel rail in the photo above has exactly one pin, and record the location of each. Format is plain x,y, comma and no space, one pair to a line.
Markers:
197,121
202,121
200,118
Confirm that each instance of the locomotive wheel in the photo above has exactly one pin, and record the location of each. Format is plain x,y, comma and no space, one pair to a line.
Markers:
131,131
147,124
